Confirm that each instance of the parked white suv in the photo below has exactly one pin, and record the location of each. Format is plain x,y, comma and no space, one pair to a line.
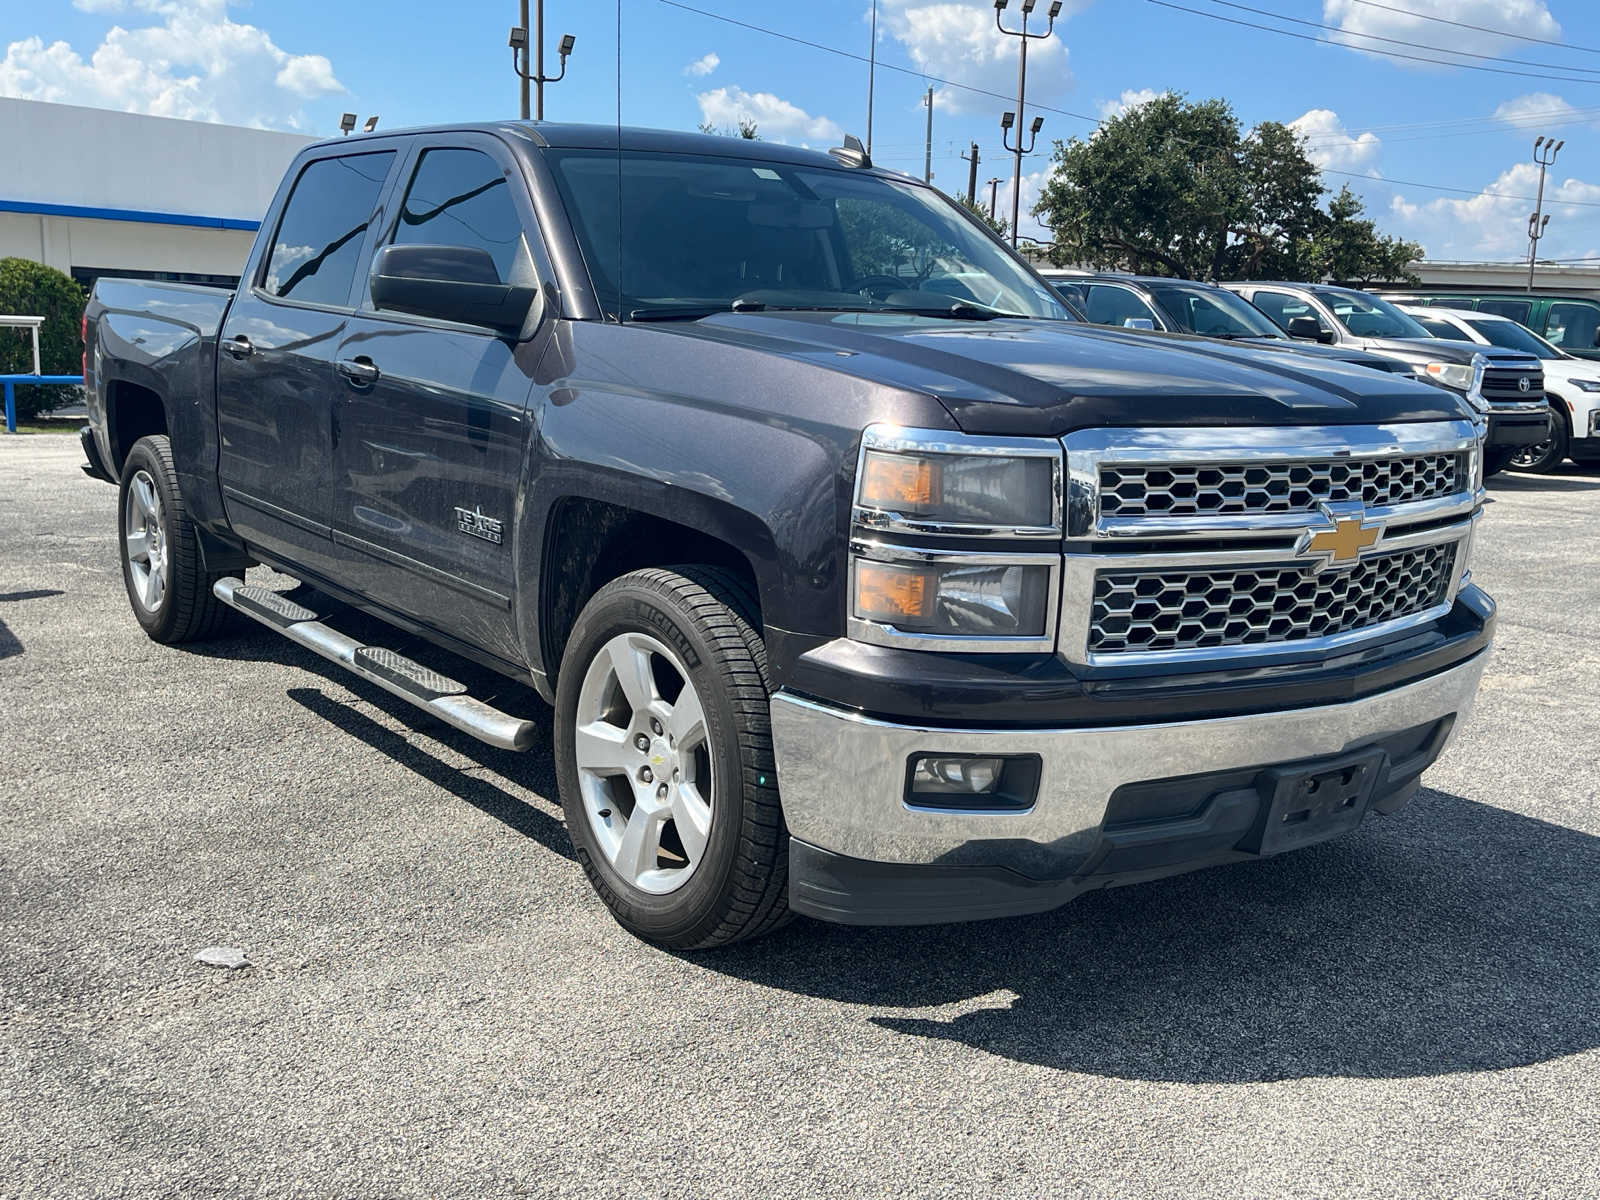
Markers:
1573,384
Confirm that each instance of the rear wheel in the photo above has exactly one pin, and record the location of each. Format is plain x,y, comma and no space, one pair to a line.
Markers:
162,567
664,756
1549,454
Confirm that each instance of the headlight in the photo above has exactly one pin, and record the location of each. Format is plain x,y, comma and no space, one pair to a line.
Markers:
937,482
1587,385
1455,376
955,599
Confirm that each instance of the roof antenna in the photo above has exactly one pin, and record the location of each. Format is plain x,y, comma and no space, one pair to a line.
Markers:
852,153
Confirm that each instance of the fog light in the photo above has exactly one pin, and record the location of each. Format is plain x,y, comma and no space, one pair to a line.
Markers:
1004,783
956,774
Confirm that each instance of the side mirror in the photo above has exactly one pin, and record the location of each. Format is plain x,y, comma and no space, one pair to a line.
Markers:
1139,323
449,283
1307,329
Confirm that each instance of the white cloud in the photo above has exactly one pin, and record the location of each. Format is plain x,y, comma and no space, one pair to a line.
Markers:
1127,102
1494,223
99,6
775,118
704,65
194,63
958,40
1405,20
1330,144
1535,107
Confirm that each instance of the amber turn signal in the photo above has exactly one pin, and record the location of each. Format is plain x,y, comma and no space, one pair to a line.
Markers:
892,593
895,481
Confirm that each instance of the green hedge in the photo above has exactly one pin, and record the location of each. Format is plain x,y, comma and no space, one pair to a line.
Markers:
30,289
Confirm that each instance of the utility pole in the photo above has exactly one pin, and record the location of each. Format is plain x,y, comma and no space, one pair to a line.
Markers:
972,175
1537,221
927,154
1022,97
519,58
872,74
994,186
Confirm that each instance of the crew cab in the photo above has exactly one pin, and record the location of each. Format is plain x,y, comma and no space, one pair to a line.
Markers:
1572,384
1506,385
862,583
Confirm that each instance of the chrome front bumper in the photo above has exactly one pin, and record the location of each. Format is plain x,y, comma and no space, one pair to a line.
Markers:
842,776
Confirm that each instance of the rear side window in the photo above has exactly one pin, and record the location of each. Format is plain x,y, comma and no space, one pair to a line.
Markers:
462,198
1107,305
1518,310
318,246
1574,326
1440,328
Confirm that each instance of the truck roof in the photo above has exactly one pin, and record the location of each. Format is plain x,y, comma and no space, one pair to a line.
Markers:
605,137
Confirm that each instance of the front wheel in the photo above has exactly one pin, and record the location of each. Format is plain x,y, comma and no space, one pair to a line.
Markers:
162,566
1497,460
1549,454
664,758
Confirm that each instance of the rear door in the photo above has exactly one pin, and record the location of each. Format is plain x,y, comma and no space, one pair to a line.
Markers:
275,382
433,417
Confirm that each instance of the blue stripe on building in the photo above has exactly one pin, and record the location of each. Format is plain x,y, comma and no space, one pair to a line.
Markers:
125,214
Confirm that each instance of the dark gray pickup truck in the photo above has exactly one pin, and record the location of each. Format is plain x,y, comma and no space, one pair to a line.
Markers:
864,582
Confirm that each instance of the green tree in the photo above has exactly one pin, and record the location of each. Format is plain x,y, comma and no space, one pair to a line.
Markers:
1348,247
1175,188
746,129
30,289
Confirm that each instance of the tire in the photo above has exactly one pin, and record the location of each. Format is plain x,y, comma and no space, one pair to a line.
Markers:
1497,460
1548,456
724,878
162,567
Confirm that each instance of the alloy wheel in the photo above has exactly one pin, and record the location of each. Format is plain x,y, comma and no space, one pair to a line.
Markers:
144,542
644,763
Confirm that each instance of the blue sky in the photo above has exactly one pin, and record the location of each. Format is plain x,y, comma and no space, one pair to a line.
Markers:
1392,124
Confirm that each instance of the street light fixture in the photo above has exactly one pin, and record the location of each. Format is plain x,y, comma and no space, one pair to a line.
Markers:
372,123
347,123
1544,153
1020,116
518,42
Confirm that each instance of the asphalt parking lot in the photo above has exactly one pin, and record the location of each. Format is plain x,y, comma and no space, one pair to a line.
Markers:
440,1007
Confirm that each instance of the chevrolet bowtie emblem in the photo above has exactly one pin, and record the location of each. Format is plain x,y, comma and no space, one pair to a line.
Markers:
1342,542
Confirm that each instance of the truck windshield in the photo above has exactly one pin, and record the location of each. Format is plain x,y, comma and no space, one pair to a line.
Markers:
1369,316
686,235
1213,312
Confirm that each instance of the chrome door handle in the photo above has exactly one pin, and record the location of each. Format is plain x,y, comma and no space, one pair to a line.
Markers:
239,346
362,371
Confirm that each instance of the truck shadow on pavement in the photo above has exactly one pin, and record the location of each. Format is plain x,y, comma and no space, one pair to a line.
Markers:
10,645
1453,937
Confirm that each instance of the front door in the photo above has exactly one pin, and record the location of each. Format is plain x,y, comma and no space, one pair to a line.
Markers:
434,417
275,360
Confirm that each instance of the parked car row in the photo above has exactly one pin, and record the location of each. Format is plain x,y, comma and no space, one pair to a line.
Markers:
1501,378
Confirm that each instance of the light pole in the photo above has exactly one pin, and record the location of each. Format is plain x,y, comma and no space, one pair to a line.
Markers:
927,155
519,58
972,175
1019,150
1022,94
1544,153
872,74
994,187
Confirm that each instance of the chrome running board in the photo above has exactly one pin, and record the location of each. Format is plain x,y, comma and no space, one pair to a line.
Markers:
433,693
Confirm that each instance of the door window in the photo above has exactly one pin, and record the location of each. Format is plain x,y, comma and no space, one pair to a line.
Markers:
1574,326
1518,310
318,244
1108,305
1440,328
1283,308
462,198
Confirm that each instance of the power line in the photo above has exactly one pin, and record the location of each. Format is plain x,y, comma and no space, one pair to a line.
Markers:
1306,37
1505,33
862,58
1439,187
1547,116
1374,37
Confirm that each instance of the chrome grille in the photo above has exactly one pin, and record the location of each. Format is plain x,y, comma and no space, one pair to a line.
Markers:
1505,383
1172,490
1163,609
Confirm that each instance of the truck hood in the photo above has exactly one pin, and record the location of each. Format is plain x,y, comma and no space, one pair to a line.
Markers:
1421,350
1047,378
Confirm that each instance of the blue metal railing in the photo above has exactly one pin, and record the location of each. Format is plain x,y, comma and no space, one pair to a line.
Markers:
10,382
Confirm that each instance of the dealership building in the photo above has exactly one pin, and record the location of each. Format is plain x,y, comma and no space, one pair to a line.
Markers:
93,192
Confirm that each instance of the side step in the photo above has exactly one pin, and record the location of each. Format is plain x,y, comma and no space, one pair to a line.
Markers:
430,691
